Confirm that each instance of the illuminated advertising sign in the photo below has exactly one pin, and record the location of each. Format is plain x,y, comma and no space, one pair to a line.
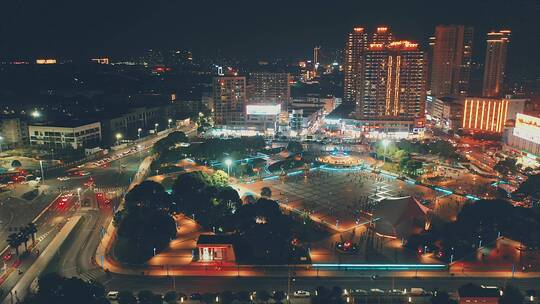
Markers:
528,128
259,109
46,61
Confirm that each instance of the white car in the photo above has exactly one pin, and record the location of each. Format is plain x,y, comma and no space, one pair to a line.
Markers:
301,294
113,295
376,290
64,178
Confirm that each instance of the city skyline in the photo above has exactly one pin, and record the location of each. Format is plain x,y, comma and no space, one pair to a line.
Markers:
267,32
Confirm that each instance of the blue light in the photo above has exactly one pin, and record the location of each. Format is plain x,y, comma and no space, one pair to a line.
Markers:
390,267
472,197
444,190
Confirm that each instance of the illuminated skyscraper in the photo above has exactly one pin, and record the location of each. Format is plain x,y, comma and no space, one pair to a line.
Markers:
394,82
229,99
451,61
353,64
495,64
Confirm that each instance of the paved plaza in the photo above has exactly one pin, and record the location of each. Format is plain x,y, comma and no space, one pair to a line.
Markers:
339,198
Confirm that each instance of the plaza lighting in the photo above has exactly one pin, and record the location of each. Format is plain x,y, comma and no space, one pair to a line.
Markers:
228,162
169,123
1,139
156,125
139,130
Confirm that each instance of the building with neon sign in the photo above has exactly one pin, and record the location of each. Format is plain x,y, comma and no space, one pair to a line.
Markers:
489,114
524,138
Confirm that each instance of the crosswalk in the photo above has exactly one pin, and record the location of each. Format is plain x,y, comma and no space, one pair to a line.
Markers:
94,274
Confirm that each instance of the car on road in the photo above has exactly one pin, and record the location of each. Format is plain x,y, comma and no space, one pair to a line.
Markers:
112,295
63,178
359,292
301,294
7,257
376,291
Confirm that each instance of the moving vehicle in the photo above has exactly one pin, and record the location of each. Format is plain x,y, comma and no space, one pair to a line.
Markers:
301,294
113,295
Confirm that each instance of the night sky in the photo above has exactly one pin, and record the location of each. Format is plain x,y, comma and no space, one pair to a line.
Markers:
252,29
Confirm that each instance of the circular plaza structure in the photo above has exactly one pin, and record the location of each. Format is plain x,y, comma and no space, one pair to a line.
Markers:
340,159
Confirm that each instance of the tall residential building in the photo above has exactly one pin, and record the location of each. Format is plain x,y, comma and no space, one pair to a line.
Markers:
495,64
356,45
382,35
316,55
394,82
270,87
229,99
451,61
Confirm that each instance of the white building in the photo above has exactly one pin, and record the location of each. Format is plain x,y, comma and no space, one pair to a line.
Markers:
75,134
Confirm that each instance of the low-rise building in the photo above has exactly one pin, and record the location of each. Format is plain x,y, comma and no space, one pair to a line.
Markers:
14,131
215,248
478,294
74,134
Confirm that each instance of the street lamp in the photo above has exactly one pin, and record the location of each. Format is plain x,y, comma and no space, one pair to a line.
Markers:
42,173
385,143
1,139
139,130
35,114
118,138
228,162
169,123
156,125
79,195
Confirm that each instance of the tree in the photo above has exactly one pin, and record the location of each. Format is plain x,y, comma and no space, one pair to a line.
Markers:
24,239
506,165
511,295
16,163
53,288
266,192
294,147
530,186
442,297
171,297
278,296
31,230
14,241
148,194
263,295
126,297
220,178
148,297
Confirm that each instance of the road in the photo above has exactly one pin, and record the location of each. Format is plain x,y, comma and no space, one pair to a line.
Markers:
189,285
114,178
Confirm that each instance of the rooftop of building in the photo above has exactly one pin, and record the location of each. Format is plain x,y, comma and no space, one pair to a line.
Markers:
69,123
210,239
342,111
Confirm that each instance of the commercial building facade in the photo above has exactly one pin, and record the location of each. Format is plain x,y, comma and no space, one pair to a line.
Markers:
524,137
451,60
495,63
490,114
74,135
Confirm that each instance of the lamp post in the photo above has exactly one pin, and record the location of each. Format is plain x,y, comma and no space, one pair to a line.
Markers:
155,126
79,195
169,123
118,138
385,143
1,139
139,130
228,162
42,173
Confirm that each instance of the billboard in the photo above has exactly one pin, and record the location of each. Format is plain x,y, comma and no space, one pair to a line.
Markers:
528,128
261,109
